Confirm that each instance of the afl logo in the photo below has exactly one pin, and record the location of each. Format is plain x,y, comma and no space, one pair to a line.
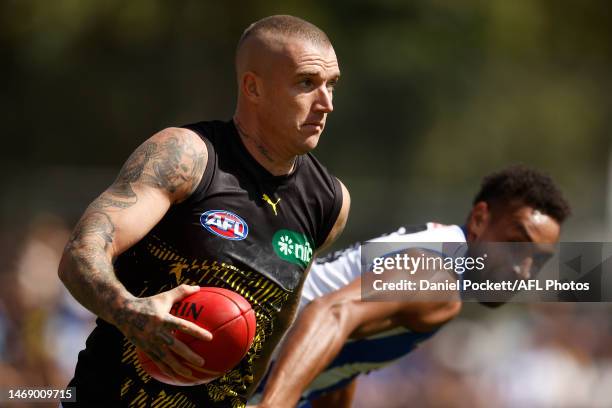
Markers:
225,224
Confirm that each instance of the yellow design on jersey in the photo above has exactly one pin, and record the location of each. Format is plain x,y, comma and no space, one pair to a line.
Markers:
265,297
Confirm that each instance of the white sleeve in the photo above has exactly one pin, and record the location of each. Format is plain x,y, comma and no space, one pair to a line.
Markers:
332,273
342,267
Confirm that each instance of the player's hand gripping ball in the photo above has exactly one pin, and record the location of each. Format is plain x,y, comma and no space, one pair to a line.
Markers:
230,319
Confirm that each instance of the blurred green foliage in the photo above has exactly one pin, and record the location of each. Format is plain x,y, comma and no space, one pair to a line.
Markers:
434,94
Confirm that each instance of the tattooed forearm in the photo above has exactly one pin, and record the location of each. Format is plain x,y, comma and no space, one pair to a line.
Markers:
87,269
95,225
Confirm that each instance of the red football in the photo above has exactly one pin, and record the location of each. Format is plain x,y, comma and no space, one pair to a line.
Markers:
230,319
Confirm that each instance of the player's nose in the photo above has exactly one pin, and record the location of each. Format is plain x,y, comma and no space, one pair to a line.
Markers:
324,103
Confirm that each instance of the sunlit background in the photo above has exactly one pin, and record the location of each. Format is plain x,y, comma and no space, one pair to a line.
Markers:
434,94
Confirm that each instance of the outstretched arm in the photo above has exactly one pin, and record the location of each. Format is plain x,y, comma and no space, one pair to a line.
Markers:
164,170
324,326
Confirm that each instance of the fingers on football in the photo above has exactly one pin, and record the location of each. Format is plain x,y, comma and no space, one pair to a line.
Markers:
176,366
159,362
188,327
182,349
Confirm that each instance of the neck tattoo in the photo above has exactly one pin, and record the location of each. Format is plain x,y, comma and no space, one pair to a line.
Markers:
250,139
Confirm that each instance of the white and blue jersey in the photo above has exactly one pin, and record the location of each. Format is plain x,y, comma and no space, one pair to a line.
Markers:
364,355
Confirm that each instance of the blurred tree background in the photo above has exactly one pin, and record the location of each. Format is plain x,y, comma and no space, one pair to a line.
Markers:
434,94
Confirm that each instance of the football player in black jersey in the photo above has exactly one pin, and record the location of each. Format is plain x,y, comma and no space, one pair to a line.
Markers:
239,204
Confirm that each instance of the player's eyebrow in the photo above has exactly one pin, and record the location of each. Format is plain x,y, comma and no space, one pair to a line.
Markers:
308,73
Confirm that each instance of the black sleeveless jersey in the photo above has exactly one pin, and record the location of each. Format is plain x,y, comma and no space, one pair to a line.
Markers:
243,229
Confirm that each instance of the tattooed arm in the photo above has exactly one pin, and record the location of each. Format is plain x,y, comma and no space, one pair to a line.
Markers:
164,170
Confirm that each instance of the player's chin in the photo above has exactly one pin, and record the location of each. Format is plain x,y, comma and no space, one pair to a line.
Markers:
310,140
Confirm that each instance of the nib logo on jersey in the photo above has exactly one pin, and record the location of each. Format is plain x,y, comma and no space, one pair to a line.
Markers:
225,224
292,247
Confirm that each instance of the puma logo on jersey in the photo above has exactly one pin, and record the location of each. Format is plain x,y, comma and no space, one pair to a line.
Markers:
269,201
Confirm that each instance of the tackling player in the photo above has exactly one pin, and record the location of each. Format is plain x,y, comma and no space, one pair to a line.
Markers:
338,336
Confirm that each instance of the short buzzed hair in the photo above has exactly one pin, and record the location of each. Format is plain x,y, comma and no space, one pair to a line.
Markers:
288,26
527,186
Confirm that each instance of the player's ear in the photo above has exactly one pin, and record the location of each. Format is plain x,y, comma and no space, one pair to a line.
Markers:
478,220
251,86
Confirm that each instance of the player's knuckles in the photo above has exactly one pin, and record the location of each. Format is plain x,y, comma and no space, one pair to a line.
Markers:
137,342
170,323
155,354
155,319
165,337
